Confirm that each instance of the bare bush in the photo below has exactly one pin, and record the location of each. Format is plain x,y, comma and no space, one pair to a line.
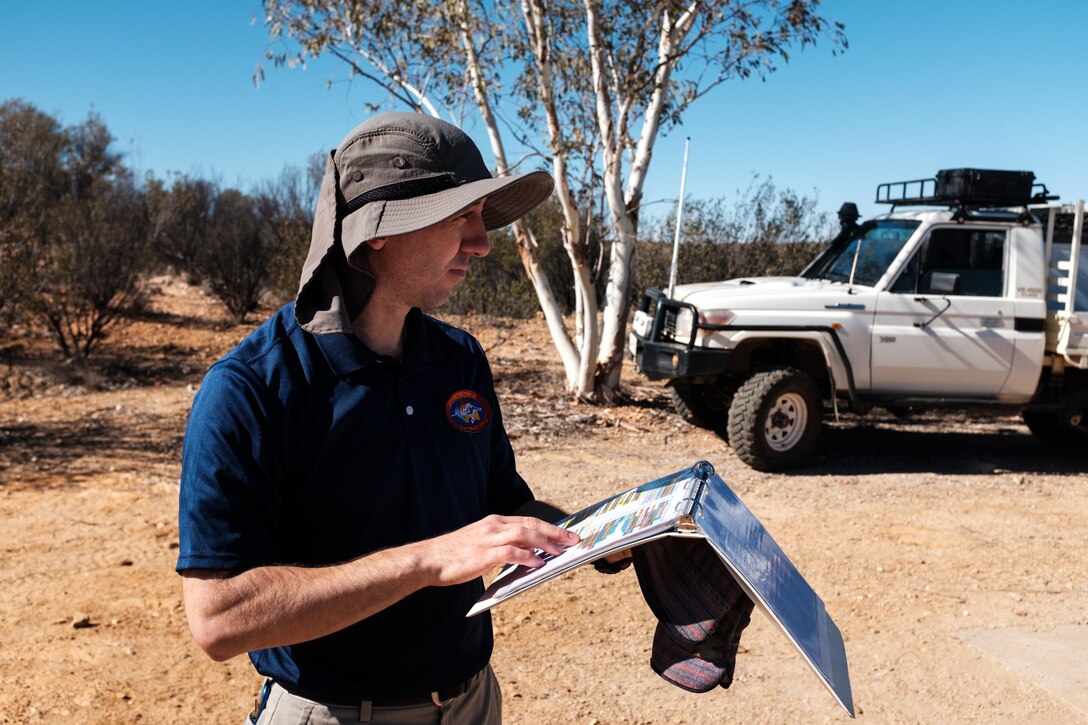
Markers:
286,205
91,270
239,253
181,222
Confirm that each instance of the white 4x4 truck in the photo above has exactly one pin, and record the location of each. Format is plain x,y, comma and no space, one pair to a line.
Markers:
978,304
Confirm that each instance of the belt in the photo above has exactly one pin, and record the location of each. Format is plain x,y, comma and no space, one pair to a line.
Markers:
438,698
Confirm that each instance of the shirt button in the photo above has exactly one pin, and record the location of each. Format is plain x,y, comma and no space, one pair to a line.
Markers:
409,410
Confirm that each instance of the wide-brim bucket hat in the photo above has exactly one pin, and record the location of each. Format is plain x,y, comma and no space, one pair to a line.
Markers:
395,174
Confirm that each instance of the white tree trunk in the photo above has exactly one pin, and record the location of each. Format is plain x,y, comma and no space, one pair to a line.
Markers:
582,383
523,234
568,353
623,203
610,353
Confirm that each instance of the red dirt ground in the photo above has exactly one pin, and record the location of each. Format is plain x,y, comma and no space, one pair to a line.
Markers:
951,551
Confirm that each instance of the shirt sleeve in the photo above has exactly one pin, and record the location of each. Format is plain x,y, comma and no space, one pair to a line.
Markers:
231,460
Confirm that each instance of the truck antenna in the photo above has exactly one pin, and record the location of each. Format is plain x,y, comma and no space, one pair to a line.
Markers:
679,217
854,266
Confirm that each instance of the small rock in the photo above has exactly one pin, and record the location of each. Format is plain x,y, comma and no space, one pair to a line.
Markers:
81,621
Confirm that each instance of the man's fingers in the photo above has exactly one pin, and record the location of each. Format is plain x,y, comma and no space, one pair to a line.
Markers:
522,557
494,541
530,532
557,534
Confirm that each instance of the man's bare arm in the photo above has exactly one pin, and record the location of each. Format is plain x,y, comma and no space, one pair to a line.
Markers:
276,605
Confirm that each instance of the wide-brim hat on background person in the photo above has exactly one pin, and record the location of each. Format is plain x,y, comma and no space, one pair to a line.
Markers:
394,174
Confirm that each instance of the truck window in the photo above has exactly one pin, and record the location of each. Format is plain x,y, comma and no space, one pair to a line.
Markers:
975,256
880,243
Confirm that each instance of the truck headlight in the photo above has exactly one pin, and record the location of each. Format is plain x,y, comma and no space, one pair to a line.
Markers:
682,327
684,319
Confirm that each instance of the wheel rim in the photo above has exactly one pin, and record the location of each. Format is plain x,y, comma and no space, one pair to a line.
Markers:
785,422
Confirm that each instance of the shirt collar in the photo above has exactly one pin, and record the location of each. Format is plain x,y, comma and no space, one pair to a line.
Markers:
347,354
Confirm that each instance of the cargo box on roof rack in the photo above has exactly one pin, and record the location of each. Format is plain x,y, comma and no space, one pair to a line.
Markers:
966,188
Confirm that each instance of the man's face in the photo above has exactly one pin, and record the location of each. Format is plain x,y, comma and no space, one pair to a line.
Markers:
420,269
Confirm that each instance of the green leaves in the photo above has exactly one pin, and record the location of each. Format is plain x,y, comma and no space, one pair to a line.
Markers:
585,85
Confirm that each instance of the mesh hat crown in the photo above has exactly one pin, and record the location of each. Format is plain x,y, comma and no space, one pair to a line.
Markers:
402,172
395,174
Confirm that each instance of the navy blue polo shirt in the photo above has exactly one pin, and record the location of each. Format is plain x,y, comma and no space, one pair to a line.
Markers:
312,450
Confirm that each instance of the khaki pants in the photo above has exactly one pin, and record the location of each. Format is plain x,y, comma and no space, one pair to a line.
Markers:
481,704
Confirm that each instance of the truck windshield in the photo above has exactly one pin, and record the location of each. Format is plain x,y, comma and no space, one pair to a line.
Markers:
880,242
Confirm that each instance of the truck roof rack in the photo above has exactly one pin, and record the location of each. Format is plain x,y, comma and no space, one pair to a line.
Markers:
964,189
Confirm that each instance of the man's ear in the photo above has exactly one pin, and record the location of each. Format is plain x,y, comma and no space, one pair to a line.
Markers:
376,244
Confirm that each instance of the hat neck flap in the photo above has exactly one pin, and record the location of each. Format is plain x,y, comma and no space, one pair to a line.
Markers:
331,292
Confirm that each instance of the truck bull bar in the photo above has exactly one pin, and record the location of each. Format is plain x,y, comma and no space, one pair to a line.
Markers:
663,359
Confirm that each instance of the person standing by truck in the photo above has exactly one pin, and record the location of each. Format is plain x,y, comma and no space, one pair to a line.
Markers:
848,230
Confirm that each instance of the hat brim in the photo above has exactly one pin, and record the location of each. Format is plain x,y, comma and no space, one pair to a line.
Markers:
508,199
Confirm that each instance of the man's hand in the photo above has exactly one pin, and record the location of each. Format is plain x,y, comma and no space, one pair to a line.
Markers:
614,563
476,549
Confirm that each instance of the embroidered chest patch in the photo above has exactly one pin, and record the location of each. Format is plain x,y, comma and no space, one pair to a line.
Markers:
467,411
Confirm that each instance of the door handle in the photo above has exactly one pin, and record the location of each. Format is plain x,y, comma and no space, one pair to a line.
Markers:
991,322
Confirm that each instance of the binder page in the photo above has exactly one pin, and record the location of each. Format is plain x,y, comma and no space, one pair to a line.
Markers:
624,520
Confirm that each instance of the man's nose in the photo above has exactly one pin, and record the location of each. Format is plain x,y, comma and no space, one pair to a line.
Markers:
474,240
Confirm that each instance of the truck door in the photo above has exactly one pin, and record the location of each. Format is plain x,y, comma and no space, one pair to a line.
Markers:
946,326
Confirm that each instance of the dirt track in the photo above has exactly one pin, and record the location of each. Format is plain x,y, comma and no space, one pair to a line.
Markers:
950,551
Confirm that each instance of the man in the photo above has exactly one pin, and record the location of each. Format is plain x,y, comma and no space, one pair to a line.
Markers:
848,220
346,477
848,230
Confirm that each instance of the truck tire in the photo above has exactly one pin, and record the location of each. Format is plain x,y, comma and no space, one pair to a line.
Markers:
703,404
774,420
1054,428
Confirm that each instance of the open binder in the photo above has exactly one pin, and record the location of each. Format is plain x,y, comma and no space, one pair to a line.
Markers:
696,502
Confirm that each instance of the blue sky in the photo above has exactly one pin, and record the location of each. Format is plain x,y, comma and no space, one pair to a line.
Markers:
925,85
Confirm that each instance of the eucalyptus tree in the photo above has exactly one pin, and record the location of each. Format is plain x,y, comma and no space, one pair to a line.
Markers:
586,86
